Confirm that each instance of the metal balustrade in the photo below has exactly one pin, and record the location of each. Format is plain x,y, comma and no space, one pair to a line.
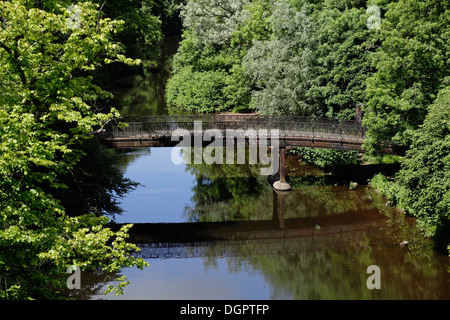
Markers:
288,126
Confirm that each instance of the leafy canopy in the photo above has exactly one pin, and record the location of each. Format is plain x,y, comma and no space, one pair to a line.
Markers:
412,65
425,174
48,107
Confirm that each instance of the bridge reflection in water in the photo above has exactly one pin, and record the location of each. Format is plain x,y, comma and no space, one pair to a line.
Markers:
257,247
193,238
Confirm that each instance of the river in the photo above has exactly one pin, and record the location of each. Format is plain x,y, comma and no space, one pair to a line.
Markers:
319,241
331,235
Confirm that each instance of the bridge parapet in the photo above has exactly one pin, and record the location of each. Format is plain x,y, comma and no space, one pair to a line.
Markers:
288,126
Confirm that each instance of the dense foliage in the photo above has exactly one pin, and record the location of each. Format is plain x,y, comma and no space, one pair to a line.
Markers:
276,57
412,65
301,57
324,58
49,108
422,187
141,33
328,159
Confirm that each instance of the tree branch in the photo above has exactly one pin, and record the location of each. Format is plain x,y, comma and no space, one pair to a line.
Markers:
98,16
14,59
101,129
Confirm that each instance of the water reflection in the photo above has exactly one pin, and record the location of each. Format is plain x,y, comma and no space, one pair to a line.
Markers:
142,93
321,267
227,192
327,262
238,192
164,190
326,259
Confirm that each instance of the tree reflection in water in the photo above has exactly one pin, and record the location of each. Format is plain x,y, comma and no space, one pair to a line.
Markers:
323,266
318,266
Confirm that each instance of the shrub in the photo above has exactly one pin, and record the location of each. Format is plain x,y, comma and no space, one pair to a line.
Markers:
425,173
327,159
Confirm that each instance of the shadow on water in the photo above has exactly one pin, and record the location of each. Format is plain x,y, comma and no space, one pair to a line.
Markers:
362,173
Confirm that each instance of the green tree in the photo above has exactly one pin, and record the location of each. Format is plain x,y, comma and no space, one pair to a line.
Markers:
327,159
48,107
213,21
280,67
412,65
206,71
421,187
141,33
277,57
425,174
341,61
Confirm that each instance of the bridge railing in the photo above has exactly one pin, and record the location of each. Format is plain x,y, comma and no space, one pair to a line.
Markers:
288,126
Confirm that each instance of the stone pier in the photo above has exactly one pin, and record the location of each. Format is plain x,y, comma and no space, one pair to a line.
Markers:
282,185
